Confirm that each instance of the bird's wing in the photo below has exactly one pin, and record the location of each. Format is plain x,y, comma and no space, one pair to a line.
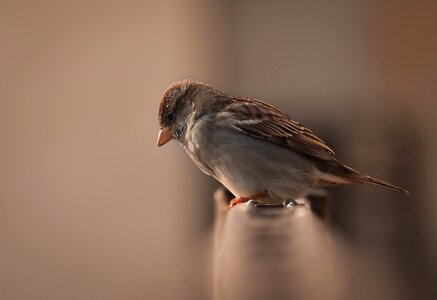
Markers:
264,121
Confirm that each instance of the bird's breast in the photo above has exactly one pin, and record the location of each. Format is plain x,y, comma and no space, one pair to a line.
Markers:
244,164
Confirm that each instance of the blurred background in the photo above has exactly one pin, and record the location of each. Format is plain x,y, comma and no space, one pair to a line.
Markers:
90,208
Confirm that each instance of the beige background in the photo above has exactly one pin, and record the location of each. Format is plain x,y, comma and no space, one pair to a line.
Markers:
90,208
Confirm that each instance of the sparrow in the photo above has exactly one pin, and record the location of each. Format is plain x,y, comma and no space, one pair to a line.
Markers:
255,150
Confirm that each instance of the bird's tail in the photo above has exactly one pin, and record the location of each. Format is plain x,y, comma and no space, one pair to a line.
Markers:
379,182
337,173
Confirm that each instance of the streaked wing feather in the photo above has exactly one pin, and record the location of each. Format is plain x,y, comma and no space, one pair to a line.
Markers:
264,121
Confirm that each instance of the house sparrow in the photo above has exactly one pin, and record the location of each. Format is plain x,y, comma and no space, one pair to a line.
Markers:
255,150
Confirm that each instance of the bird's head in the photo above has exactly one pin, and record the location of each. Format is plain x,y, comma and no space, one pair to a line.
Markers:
175,110
182,104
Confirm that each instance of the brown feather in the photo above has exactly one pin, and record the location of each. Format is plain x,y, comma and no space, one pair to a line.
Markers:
264,121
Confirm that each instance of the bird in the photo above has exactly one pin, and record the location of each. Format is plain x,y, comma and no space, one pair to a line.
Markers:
251,147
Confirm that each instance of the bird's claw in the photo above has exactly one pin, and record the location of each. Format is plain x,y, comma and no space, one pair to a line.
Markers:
290,203
238,200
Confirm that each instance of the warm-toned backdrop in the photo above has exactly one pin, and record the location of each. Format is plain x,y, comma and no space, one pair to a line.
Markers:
90,208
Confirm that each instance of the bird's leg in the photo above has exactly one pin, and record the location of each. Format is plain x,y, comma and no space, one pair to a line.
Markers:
238,200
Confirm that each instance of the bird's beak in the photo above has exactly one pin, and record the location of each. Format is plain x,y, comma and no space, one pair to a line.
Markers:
165,135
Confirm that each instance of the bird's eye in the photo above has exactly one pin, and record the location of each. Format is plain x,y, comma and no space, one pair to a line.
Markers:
170,116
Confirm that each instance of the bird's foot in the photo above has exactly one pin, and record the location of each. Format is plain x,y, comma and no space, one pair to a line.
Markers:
239,200
290,203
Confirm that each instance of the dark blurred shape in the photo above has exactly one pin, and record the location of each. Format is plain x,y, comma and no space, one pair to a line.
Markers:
320,201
